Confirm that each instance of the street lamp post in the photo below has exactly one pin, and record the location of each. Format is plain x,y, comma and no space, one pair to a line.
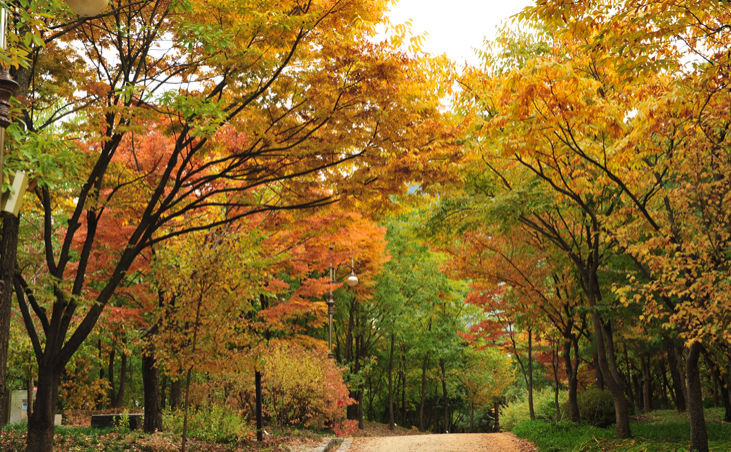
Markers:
351,281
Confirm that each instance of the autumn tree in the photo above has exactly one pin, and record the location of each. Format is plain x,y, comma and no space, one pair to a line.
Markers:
273,99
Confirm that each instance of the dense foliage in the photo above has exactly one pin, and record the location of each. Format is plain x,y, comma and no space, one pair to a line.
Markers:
551,239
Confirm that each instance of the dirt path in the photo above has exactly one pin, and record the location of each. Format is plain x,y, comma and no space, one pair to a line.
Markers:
477,442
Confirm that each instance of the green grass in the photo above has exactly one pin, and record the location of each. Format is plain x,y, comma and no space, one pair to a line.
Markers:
658,432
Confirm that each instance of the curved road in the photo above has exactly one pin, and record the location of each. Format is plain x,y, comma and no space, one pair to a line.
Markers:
475,442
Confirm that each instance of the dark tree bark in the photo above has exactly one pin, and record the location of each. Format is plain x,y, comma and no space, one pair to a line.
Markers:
163,391
646,384
40,426
677,377
423,392
442,366
714,378
176,394
726,397
259,411
572,371
403,398
598,373
698,433
9,244
117,402
391,422
151,387
681,359
530,376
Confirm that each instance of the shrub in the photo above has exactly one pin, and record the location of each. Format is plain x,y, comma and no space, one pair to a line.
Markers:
212,424
303,386
596,407
518,411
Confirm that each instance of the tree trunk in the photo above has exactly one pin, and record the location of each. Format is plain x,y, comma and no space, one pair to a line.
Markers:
423,392
110,371
530,376
681,359
677,377
726,397
608,365
117,402
176,394
9,250
403,399
151,387
391,423
40,424
163,391
698,434
646,384
572,374
598,373
714,378
259,414
446,397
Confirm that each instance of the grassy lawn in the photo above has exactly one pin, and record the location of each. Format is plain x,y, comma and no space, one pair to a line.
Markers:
659,431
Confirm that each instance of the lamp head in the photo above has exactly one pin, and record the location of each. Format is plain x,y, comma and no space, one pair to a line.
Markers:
88,8
352,280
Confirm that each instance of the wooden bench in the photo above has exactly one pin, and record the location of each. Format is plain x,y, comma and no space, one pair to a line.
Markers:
113,420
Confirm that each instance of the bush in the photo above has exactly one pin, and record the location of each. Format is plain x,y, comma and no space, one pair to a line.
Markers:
303,386
212,424
596,407
518,411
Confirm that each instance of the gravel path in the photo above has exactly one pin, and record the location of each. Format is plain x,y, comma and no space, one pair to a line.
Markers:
476,442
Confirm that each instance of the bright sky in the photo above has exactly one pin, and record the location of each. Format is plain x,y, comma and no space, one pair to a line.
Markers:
456,26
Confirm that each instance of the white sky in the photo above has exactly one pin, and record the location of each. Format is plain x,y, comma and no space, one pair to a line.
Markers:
455,27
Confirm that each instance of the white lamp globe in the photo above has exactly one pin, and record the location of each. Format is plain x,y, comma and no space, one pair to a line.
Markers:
352,280
88,8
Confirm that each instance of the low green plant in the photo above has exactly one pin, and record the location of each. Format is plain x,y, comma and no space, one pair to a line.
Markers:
210,424
543,405
564,436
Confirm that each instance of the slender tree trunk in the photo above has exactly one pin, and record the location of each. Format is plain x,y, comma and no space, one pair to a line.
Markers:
390,385
714,378
530,376
677,377
176,394
446,397
151,387
403,399
726,397
163,391
554,366
646,384
29,391
259,414
117,403
184,439
681,359
698,434
9,244
598,373
607,363
110,371
573,381
665,385
423,392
